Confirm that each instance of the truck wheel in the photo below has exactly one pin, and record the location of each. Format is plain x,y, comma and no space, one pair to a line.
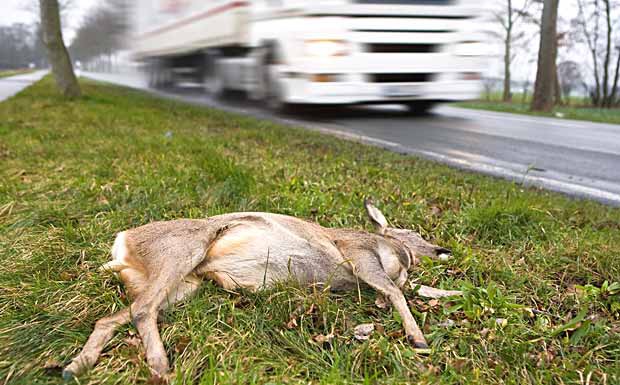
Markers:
419,108
152,74
274,98
269,88
213,81
159,75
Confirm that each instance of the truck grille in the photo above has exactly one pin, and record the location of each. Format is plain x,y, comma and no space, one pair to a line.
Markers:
401,78
402,48
407,2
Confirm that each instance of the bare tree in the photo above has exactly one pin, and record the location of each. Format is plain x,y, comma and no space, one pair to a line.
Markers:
102,32
569,77
56,50
595,28
508,17
614,88
546,74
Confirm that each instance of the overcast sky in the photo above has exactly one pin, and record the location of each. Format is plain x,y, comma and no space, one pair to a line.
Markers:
12,11
17,11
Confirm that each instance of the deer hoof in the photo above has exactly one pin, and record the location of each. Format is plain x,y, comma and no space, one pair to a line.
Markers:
417,344
159,379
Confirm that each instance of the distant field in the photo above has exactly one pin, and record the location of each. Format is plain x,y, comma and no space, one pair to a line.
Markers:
538,269
577,109
8,73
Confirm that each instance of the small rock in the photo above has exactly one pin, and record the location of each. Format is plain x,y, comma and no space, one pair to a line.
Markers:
168,134
447,323
501,322
362,332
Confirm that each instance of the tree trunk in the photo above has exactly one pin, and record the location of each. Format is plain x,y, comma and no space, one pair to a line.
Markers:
507,97
597,79
606,101
56,51
544,94
614,89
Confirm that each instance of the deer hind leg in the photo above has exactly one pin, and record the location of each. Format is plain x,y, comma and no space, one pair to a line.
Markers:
162,292
104,330
184,289
173,283
134,281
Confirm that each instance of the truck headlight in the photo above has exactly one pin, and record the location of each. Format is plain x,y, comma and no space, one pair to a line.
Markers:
326,48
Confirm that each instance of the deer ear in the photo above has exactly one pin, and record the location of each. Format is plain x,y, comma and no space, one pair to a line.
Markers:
376,216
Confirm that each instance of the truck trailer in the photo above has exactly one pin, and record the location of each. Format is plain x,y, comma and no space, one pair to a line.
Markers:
284,52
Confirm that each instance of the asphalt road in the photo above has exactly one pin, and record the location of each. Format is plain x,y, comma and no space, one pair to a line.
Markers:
581,159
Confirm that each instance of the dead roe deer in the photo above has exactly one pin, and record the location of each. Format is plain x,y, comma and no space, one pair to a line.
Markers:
164,262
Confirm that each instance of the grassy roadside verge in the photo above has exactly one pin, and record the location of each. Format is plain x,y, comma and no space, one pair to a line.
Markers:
590,114
9,73
75,173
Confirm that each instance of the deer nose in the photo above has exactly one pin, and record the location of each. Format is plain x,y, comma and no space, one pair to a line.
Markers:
442,250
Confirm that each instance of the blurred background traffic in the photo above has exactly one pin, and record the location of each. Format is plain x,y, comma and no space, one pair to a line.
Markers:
414,52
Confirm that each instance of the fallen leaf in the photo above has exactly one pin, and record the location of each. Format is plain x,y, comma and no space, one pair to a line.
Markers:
51,364
381,303
433,303
321,339
182,344
52,367
132,341
310,310
292,323
380,329
396,334
66,276
459,364
362,332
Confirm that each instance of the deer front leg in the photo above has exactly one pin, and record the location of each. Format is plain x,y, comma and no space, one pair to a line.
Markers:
368,268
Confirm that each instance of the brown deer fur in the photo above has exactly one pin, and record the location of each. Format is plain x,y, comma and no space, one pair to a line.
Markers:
164,262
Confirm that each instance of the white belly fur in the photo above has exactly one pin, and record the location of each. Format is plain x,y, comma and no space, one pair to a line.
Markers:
253,256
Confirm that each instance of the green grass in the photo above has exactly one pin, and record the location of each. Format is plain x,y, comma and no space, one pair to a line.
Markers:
75,173
576,110
8,73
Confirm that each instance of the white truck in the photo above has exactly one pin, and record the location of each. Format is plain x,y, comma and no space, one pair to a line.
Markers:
414,52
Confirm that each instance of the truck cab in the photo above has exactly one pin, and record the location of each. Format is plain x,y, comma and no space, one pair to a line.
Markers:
414,52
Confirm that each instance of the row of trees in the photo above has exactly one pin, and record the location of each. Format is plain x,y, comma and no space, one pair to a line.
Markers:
597,27
103,30
21,46
101,33
592,31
